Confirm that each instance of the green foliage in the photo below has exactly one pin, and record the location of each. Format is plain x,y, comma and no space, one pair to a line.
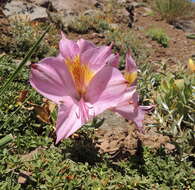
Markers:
174,98
148,82
74,163
190,36
55,169
125,41
85,23
172,9
5,140
176,110
23,62
23,35
158,35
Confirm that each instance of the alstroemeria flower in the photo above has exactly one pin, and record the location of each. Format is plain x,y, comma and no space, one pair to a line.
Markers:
81,80
130,70
191,65
129,106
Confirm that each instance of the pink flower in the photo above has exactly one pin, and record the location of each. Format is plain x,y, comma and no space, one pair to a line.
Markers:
82,80
129,105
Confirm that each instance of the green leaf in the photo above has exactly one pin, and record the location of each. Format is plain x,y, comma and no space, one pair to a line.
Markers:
5,140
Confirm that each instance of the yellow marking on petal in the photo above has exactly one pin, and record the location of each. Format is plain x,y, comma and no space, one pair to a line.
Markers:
81,74
191,65
130,77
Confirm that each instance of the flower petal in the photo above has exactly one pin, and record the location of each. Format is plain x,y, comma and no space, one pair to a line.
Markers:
96,58
113,60
51,78
130,71
130,110
84,45
130,65
105,89
132,113
68,48
71,116
68,120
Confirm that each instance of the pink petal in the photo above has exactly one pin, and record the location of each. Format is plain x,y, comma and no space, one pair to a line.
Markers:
113,60
68,121
84,45
96,58
68,48
71,116
130,65
51,78
129,109
128,96
132,113
106,89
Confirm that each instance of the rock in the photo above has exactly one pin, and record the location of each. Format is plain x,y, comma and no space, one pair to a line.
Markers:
121,1
73,5
91,12
33,12
3,2
113,120
118,137
185,25
147,11
135,4
40,2
67,5
98,5
60,20
131,11
44,3
114,26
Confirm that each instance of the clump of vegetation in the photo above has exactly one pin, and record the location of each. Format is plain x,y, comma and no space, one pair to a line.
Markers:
158,35
170,10
32,161
176,102
174,97
23,34
85,23
125,41
190,36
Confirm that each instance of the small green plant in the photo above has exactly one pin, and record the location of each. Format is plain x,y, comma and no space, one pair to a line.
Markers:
176,113
158,35
85,23
190,36
23,62
170,10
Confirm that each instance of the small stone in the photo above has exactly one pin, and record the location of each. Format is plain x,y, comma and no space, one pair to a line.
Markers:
114,26
33,12
185,25
169,147
136,4
23,177
91,12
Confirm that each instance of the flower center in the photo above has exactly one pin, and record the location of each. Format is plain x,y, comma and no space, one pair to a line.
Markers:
130,77
81,74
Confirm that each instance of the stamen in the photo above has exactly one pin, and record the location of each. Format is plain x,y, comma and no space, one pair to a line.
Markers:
81,74
130,77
